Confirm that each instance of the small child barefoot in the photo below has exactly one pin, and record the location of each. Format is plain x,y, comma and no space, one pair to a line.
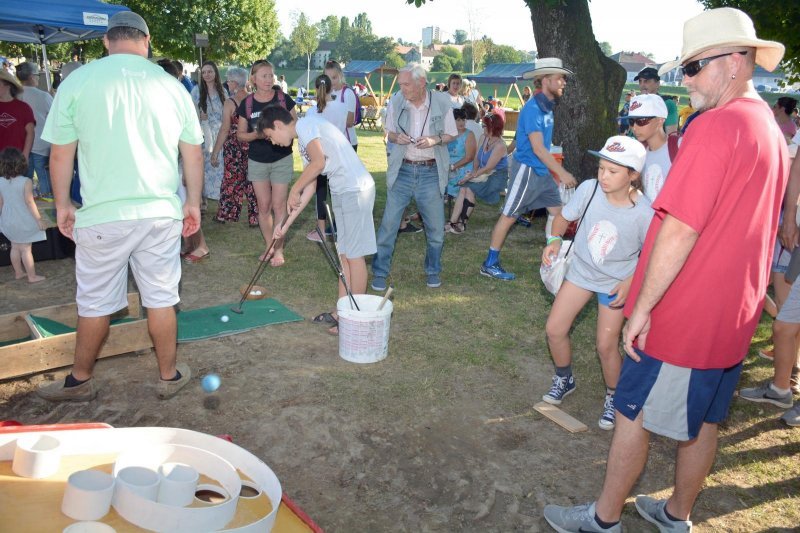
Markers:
35,279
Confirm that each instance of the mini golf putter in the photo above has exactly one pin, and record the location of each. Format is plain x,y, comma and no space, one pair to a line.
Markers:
257,274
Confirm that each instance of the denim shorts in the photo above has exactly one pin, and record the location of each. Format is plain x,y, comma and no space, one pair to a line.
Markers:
675,401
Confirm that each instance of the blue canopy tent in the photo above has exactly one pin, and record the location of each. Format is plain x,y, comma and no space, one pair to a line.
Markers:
48,22
504,73
364,69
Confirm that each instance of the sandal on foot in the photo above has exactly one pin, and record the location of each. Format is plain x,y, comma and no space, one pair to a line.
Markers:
324,318
334,330
191,258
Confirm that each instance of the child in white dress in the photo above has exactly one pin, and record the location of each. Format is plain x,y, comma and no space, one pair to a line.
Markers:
20,220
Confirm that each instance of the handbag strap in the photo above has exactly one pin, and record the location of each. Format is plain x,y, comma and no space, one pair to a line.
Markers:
585,209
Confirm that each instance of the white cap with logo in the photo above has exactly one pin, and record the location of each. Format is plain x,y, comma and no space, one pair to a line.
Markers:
624,151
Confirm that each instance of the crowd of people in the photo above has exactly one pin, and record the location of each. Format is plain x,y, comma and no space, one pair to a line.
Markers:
678,274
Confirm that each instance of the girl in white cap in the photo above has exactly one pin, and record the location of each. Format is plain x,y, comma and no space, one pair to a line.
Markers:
614,217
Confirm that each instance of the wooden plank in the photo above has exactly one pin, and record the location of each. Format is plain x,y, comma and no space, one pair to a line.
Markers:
13,325
566,421
54,352
35,333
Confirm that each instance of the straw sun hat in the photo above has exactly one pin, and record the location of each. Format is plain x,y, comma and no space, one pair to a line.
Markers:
545,66
722,28
5,76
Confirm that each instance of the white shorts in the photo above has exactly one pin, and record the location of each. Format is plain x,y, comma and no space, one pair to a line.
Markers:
355,228
102,253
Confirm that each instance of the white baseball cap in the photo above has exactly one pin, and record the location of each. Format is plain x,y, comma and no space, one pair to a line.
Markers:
647,105
624,151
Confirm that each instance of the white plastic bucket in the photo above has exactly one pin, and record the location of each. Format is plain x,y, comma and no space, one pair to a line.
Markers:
364,334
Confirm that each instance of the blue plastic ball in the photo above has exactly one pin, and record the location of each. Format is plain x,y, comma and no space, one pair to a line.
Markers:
211,382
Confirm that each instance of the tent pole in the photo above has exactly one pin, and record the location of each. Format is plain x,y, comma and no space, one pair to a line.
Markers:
46,68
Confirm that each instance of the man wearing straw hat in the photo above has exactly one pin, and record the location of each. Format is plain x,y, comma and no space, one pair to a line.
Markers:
699,287
531,185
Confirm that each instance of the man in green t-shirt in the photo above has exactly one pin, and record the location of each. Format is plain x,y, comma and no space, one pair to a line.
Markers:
128,121
649,83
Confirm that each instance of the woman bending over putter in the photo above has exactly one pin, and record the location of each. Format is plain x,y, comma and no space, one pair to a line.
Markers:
325,150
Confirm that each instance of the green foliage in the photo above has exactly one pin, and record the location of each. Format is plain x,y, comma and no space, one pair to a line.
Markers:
454,56
605,46
460,36
500,53
481,47
393,59
362,24
304,37
328,28
238,30
775,21
442,63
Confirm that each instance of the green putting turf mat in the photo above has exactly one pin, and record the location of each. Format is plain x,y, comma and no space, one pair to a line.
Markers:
49,328
206,323
15,341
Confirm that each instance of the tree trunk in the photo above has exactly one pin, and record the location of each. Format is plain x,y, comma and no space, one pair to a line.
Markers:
585,116
308,71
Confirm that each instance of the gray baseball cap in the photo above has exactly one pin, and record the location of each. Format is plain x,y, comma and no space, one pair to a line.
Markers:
128,19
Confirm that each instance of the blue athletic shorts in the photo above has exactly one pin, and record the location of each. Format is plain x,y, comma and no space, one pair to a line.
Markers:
605,299
675,401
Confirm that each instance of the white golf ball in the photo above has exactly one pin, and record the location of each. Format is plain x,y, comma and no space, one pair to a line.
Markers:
224,318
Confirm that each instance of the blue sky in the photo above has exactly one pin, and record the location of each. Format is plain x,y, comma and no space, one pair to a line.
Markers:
653,26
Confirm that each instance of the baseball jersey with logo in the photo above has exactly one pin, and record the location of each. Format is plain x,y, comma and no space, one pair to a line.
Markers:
654,174
345,171
14,116
609,239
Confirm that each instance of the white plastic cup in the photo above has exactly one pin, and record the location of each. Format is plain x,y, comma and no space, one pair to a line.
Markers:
178,484
88,495
36,456
89,527
139,480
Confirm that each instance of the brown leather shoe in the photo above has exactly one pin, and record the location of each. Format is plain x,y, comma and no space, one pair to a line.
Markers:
57,392
168,389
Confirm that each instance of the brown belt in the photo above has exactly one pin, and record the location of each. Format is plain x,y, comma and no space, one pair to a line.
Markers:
425,162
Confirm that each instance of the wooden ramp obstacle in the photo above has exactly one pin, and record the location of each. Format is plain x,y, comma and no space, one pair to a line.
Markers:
31,341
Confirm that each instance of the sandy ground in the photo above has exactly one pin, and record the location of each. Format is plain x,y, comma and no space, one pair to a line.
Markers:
359,448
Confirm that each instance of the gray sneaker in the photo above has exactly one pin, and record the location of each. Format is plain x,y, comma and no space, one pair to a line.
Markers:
379,284
574,519
652,510
764,393
57,392
168,389
792,416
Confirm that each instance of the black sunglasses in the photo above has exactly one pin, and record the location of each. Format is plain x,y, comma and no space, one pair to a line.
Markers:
640,121
692,69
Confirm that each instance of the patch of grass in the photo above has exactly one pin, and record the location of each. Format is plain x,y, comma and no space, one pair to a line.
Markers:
475,333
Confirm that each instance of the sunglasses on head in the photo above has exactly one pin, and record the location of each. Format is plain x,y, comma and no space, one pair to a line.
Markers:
693,68
640,121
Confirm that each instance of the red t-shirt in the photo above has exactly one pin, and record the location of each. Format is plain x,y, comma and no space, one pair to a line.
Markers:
14,116
726,183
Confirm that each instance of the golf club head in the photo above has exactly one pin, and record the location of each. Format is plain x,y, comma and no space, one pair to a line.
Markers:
237,309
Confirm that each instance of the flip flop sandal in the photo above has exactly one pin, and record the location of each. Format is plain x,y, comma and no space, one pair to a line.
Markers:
191,258
324,318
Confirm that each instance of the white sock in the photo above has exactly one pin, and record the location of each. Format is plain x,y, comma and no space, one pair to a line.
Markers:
779,391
